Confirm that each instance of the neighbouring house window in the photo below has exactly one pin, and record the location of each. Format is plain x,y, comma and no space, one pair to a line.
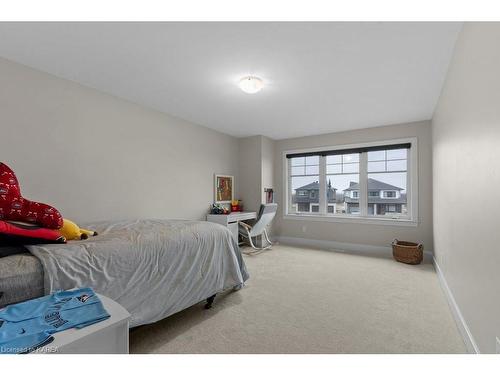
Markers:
391,208
303,207
371,181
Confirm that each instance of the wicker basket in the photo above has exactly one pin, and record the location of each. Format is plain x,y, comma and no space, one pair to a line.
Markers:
407,252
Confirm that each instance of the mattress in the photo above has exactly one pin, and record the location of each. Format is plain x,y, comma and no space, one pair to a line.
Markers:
21,278
153,268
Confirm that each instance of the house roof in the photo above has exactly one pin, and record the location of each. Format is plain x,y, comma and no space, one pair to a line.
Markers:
373,185
312,186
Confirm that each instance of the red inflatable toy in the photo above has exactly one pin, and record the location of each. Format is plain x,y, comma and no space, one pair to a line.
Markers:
25,234
14,207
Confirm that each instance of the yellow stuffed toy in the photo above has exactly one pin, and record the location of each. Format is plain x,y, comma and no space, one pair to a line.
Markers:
71,231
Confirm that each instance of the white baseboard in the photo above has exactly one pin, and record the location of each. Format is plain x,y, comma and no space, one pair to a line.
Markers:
354,248
469,341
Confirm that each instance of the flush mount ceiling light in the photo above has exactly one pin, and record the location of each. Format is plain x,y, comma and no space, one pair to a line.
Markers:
251,85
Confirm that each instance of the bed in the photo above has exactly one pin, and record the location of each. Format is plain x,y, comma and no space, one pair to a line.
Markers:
153,268
21,278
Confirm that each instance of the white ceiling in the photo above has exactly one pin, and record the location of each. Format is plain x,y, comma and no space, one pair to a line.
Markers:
320,77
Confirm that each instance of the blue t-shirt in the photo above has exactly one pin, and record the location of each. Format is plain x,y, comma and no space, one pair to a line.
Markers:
29,325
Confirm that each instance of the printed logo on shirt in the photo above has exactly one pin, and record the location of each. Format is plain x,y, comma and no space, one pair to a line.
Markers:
83,298
54,319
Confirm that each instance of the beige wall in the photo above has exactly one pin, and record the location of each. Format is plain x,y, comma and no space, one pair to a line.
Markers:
366,234
466,165
94,156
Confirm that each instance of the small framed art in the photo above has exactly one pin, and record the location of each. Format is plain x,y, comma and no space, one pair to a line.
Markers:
224,188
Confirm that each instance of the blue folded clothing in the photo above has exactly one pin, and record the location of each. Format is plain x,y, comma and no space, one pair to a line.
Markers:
27,326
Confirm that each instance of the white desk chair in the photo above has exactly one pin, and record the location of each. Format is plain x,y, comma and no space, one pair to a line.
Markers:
265,217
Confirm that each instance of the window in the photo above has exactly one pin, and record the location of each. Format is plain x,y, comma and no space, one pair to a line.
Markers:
304,178
387,171
303,207
370,181
342,175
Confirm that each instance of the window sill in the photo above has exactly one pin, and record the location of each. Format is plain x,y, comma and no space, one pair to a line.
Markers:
353,219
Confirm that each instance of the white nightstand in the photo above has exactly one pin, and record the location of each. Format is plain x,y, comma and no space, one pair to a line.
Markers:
107,337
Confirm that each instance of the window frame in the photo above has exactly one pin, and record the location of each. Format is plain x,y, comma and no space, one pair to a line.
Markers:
362,217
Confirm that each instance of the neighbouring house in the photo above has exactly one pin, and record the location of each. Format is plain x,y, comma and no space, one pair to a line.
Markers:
306,198
383,198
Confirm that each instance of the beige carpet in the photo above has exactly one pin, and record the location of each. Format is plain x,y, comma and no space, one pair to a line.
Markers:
312,301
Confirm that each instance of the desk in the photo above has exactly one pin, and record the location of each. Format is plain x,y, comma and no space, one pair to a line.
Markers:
231,221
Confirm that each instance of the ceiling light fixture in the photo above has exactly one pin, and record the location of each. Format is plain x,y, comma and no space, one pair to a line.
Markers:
251,85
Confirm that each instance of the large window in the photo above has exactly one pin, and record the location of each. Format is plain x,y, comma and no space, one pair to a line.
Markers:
372,181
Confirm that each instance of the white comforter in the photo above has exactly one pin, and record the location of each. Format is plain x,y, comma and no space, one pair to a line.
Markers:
153,268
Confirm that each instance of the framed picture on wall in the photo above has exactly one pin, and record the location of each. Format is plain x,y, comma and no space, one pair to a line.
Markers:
224,188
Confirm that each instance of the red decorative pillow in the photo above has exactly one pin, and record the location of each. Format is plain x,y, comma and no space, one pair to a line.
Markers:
14,207
22,234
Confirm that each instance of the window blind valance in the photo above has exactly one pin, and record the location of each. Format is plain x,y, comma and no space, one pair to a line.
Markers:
356,150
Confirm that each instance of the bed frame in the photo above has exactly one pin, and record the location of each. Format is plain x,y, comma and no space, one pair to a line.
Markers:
210,301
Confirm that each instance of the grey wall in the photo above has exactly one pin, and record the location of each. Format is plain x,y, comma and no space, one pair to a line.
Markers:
366,234
267,154
250,167
466,170
94,156
256,163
